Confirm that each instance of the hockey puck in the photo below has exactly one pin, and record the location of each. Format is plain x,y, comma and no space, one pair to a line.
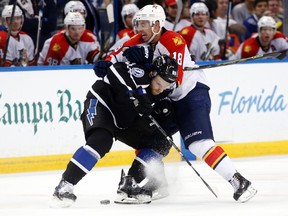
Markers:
105,202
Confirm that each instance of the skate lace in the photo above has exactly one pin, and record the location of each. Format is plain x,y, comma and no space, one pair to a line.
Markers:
235,182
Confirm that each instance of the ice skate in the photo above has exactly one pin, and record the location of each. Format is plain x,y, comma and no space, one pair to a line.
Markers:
130,193
63,196
243,191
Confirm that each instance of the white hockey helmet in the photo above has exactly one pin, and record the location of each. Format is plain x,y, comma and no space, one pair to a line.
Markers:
74,18
198,7
266,21
128,9
152,13
8,9
75,6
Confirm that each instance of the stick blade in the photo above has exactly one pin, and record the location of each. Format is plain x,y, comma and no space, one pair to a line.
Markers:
110,13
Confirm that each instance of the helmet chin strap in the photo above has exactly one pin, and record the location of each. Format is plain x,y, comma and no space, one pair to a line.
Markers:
154,34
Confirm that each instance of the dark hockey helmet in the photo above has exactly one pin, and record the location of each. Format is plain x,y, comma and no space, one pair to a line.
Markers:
166,67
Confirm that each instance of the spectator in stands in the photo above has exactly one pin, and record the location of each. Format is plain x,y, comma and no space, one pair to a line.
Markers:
250,23
20,51
2,4
127,13
213,12
266,41
243,10
31,9
201,41
235,2
171,10
221,20
277,12
72,46
186,11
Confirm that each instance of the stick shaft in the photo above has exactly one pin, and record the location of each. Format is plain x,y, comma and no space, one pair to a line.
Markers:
279,55
179,151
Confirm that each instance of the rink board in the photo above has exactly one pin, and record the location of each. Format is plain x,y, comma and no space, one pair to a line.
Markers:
40,109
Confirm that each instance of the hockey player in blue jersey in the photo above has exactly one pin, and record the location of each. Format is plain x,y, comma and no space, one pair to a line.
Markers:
118,107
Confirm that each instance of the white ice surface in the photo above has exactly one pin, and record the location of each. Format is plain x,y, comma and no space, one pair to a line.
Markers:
29,194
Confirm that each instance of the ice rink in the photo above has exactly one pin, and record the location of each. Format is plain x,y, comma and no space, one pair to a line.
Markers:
29,194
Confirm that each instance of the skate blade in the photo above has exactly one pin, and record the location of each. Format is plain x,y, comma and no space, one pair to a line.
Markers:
57,203
131,201
248,194
122,198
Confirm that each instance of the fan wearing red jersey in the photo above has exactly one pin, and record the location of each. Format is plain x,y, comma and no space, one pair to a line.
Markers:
190,99
72,46
266,41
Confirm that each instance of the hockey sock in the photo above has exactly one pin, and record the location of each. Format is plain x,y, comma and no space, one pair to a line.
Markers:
214,156
218,160
141,161
83,160
148,170
73,174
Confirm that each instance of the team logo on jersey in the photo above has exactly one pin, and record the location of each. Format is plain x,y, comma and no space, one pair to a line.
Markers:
137,72
56,47
247,49
177,41
185,31
91,111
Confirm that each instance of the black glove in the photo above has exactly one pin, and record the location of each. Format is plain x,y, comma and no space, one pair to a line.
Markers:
164,111
141,101
164,114
139,55
100,68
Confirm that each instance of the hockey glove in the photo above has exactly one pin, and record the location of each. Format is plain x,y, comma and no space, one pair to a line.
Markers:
141,102
139,55
164,114
100,68
164,110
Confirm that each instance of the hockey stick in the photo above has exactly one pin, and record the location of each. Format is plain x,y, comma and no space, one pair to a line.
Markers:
9,32
41,6
179,12
226,29
105,38
179,151
279,55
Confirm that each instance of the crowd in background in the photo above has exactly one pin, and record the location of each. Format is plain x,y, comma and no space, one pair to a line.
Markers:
47,32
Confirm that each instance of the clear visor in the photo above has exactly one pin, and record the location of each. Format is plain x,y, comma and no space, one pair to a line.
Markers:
141,24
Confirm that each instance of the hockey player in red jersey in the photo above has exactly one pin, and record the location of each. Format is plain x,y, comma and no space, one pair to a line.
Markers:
201,41
191,98
20,51
127,13
74,45
266,41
